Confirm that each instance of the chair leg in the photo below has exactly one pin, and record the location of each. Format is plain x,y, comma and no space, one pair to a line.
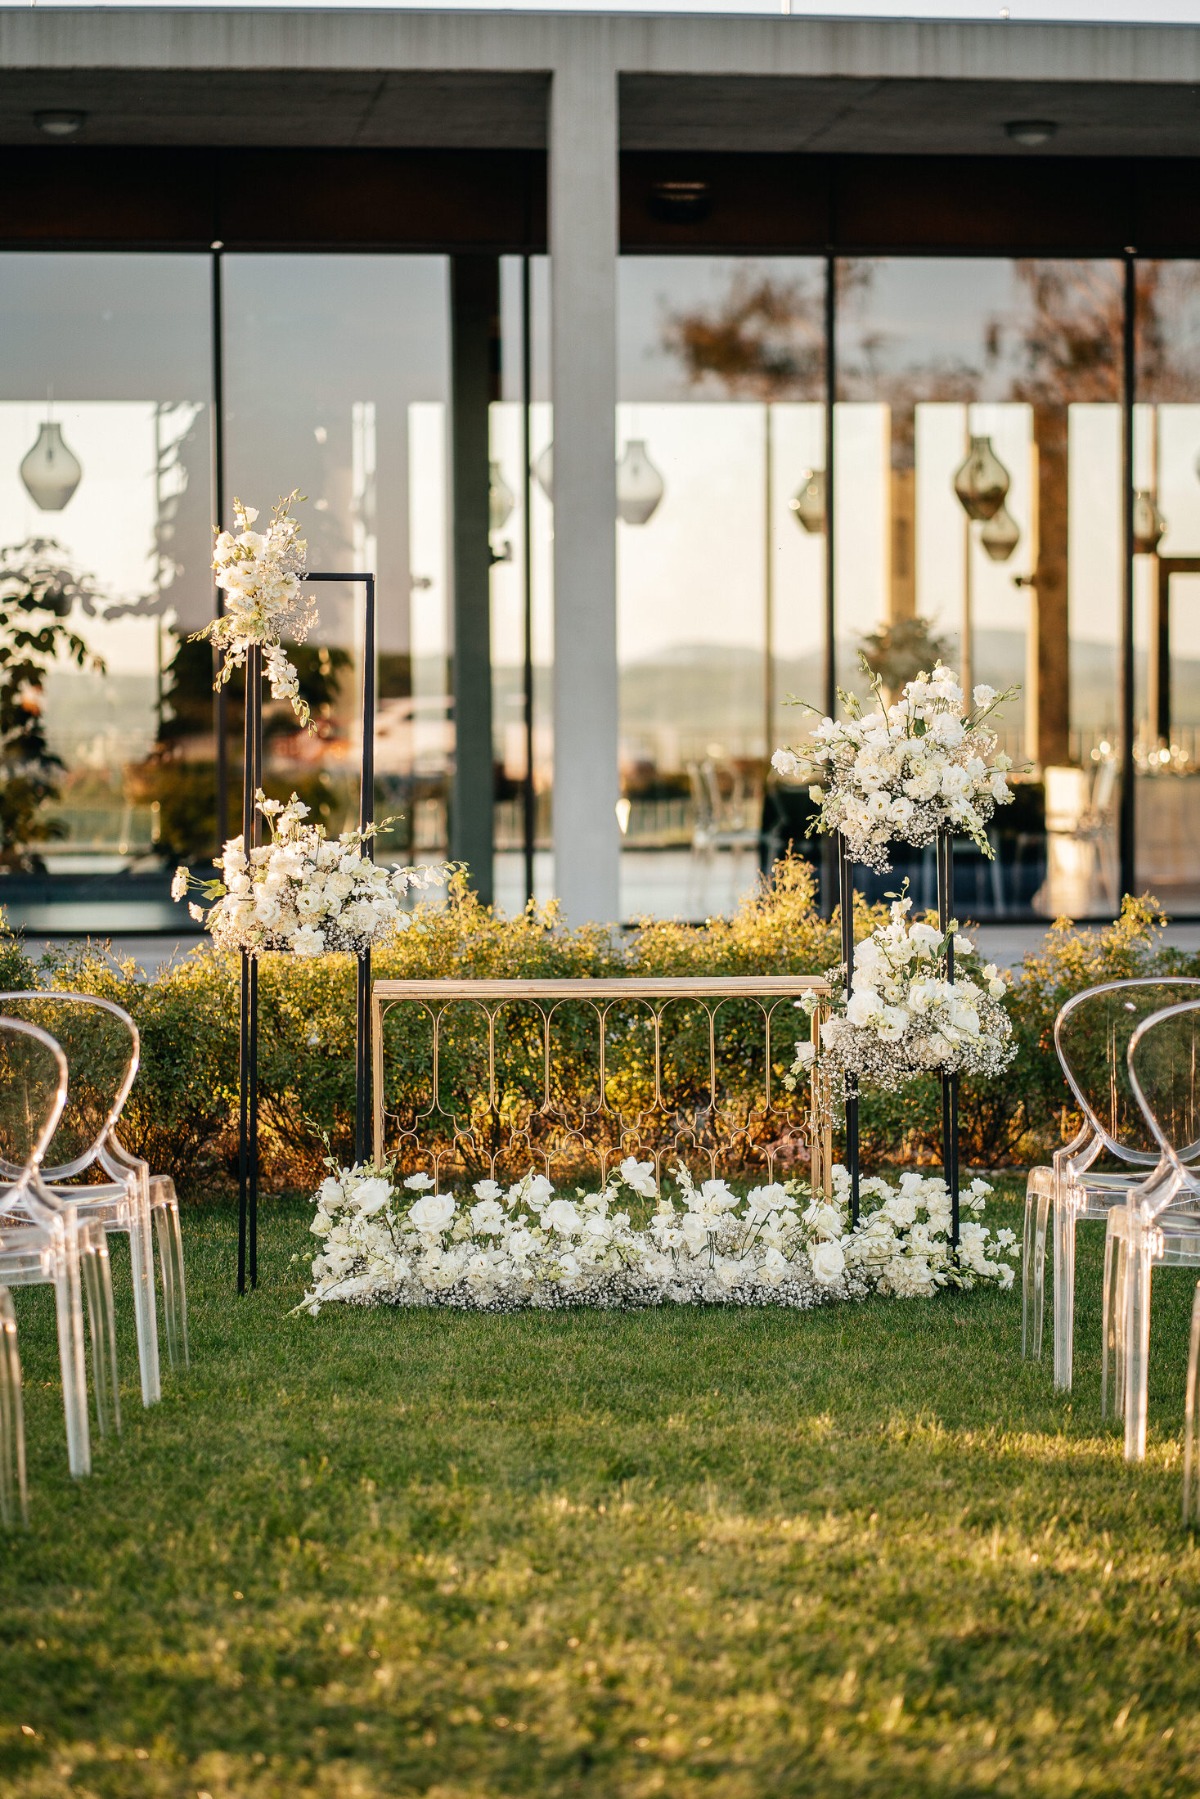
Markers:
141,1256
1033,1273
97,1277
14,1493
170,1256
1110,1315
1138,1272
1064,1289
68,1308
1191,1473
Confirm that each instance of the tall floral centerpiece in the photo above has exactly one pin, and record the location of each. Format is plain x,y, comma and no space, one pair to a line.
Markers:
923,770
260,574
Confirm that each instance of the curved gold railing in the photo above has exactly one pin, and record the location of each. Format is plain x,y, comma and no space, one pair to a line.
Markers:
493,1078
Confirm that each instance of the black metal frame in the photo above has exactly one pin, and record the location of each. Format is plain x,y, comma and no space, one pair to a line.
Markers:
945,904
252,762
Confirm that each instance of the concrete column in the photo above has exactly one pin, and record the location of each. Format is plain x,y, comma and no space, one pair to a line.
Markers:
474,315
583,278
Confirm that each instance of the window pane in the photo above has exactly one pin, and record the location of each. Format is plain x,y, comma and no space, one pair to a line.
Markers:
105,496
720,589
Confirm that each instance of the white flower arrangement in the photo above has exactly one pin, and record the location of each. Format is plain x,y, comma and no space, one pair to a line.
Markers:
900,773
390,1242
303,891
904,1017
260,574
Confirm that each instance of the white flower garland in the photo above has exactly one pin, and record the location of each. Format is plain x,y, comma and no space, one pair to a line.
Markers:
385,1242
302,891
260,574
904,1017
900,773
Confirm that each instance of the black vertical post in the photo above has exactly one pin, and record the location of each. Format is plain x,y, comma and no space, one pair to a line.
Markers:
846,907
366,817
528,790
248,1017
831,850
945,889
220,693
1127,817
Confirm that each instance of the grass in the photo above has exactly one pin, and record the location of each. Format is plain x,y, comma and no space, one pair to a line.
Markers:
731,1554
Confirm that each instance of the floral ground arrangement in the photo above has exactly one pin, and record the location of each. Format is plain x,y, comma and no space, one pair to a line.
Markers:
384,1242
705,1554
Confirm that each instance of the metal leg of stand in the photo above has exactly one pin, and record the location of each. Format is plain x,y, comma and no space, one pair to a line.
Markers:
945,883
846,908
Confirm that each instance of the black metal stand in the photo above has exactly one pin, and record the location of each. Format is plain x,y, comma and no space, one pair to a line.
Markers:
945,892
846,913
252,765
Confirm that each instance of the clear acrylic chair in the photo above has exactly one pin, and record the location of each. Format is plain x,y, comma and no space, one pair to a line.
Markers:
1159,1223
102,1047
1091,1037
44,1242
1191,1425
14,1494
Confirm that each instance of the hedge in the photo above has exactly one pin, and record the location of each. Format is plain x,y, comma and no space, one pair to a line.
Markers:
182,1114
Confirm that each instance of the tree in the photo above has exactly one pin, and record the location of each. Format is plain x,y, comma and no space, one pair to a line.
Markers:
38,592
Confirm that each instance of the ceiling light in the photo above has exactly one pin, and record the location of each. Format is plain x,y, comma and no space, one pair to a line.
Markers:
1031,131
59,124
680,202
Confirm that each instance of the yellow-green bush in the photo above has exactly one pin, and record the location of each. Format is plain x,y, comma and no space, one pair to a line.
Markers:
182,1114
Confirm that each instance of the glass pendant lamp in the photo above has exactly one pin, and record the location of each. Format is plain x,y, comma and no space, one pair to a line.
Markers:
50,471
640,487
807,504
1148,523
500,499
982,481
1000,535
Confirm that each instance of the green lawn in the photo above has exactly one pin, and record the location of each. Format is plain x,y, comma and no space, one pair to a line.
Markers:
737,1554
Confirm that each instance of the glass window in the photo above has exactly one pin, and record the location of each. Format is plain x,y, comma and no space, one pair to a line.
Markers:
978,513
337,382
1166,476
105,514
721,587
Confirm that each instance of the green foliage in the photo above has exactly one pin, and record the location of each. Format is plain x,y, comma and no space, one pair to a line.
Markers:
183,1110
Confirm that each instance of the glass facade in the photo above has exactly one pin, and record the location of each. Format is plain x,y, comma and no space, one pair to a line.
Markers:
761,399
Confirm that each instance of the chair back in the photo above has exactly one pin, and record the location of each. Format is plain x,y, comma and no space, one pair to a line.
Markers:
1092,1035
33,1093
101,1045
1164,1075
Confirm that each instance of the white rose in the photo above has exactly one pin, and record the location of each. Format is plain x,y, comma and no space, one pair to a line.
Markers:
805,1052
419,1183
488,1217
371,1196
432,1213
487,1190
864,1006
828,1262
307,941
983,695
562,1215
640,1177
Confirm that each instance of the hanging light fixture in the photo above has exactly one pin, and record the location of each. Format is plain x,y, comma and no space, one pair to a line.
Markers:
50,471
1148,523
807,504
1000,535
640,487
500,499
543,471
982,481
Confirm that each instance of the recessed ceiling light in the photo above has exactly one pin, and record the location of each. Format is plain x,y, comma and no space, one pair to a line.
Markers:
1031,131
59,124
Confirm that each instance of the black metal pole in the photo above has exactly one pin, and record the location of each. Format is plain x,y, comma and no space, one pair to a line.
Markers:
221,694
831,850
528,790
846,910
1127,816
945,887
248,1036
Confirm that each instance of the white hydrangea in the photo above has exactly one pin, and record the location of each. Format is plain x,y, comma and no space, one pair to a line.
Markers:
280,897
392,1243
260,574
904,1016
901,773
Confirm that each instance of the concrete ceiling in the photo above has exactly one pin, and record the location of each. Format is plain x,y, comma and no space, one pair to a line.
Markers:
508,110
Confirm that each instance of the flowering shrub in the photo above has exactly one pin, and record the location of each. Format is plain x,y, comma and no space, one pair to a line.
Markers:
900,773
407,1244
904,1017
260,573
303,892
